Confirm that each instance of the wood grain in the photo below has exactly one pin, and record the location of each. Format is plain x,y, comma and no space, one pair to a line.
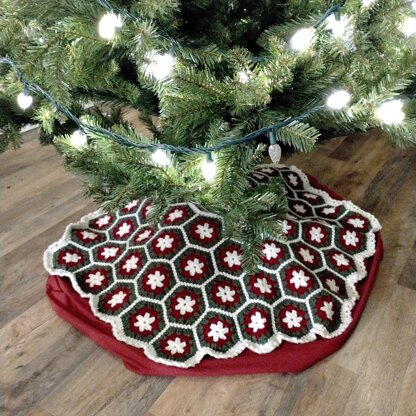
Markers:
47,368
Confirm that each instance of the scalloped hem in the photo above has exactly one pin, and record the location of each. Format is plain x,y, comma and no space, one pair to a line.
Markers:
287,358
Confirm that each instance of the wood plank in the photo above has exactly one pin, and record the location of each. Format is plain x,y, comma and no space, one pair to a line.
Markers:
378,386
222,396
12,161
406,403
38,411
101,385
327,391
407,277
37,350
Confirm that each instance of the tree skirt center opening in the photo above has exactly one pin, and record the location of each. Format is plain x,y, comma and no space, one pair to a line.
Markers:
177,292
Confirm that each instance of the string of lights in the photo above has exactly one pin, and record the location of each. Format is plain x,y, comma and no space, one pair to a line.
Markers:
160,67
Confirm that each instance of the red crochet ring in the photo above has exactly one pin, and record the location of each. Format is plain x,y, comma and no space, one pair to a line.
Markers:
289,357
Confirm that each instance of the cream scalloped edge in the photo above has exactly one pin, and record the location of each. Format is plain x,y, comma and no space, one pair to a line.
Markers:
239,347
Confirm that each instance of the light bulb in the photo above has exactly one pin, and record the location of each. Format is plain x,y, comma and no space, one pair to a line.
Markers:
209,168
78,139
302,39
160,157
338,99
337,27
108,25
160,65
24,100
409,26
244,77
390,112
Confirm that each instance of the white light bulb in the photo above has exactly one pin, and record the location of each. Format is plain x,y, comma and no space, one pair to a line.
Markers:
337,27
368,3
244,77
24,100
108,25
78,139
302,39
338,99
209,169
390,112
409,26
160,65
160,157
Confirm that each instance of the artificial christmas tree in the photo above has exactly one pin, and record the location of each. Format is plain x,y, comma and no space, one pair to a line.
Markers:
217,84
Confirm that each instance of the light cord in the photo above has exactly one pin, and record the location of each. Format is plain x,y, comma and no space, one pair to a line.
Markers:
86,128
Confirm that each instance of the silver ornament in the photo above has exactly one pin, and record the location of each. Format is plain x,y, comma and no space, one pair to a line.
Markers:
275,153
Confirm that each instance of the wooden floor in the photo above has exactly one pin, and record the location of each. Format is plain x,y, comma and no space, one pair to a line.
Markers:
49,368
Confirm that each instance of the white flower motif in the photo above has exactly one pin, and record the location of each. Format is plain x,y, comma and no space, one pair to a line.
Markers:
155,280
328,309
263,285
178,213
356,222
95,279
316,234
226,294
72,258
109,252
131,205
299,279
194,267
176,346
131,264
271,251
306,255
286,227
292,320
185,305
117,298
143,235
88,235
101,222
350,238
204,231
144,322
332,284
232,258
165,242
341,259
329,210
293,179
267,170
124,229
299,208
310,196
257,322
218,331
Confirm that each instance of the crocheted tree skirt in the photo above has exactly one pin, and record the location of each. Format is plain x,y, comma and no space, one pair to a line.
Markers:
174,300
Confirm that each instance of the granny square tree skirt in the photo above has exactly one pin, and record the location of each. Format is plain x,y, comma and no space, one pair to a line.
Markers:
174,300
